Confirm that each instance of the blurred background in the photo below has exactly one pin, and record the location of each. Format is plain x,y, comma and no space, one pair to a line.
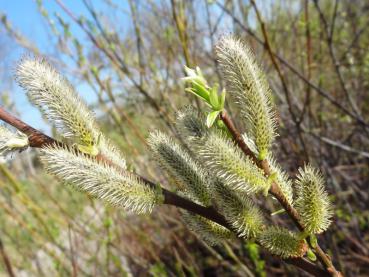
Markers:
126,58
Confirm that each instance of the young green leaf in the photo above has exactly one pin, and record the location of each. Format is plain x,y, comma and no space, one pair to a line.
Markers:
213,98
210,119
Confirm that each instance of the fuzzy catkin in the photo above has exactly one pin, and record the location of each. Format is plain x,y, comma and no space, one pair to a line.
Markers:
57,100
11,141
282,178
173,158
282,242
103,181
210,232
239,210
312,201
228,163
62,106
247,84
190,125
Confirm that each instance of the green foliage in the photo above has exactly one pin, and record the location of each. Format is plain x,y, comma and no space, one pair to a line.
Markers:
254,253
200,88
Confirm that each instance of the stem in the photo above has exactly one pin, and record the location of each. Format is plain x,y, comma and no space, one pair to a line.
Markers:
275,190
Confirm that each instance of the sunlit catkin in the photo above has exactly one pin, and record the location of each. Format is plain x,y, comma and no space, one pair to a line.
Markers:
249,87
62,106
101,180
239,210
228,163
312,201
282,242
11,141
173,158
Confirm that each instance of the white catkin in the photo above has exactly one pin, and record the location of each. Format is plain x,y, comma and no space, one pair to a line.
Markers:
62,106
11,142
239,210
100,180
247,84
210,232
229,164
312,200
179,164
282,242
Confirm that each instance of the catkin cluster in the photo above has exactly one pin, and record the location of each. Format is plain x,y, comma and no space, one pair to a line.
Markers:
209,169
88,160
235,178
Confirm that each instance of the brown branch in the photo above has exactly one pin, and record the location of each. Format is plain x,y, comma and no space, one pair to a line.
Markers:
275,190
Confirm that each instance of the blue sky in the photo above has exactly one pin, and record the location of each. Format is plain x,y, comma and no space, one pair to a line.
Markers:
26,18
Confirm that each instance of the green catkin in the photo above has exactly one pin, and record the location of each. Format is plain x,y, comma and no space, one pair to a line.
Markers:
281,177
239,210
190,125
174,159
228,163
283,243
210,232
101,180
312,201
61,105
247,84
